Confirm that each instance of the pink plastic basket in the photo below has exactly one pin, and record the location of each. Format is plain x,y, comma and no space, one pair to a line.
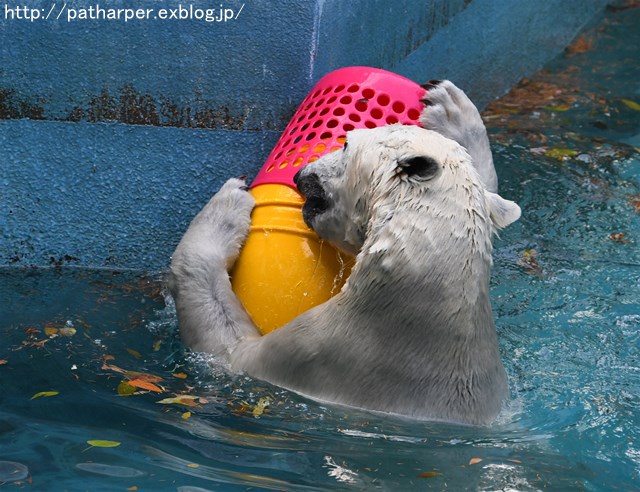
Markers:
343,100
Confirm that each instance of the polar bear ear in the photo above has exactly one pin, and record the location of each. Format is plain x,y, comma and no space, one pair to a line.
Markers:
419,166
503,212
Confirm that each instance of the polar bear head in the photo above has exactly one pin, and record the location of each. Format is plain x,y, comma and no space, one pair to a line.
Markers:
393,170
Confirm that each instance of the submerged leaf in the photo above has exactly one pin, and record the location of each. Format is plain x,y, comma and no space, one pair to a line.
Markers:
186,415
631,104
100,443
45,394
475,461
125,389
429,474
134,353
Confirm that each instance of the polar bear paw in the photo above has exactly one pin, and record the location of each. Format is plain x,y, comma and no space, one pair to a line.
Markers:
451,113
225,220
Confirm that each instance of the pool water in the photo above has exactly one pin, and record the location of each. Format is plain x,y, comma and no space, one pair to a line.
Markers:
97,393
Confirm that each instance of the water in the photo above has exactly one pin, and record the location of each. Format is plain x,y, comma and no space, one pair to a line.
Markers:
565,291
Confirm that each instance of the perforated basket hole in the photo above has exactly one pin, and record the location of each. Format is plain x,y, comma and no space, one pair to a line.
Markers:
376,113
324,111
370,124
319,148
327,90
326,136
383,100
271,168
413,114
340,88
304,148
332,123
331,100
347,127
313,158
361,106
297,139
341,140
311,136
298,161
283,164
398,107
368,93
339,111
320,102
354,117
317,123
391,119
346,100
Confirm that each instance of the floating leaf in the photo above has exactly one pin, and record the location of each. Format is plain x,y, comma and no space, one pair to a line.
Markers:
193,465
3,362
187,400
157,344
186,415
45,394
475,461
142,384
518,462
619,237
429,474
150,378
561,154
125,389
260,407
51,331
180,375
558,108
134,487
100,443
67,331
134,353
631,104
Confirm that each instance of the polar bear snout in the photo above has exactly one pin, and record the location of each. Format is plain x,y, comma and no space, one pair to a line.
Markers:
316,201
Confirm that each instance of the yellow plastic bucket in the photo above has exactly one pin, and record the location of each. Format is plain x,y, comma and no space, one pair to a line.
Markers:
284,268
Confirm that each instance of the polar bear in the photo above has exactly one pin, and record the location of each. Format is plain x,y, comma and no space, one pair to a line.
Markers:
411,332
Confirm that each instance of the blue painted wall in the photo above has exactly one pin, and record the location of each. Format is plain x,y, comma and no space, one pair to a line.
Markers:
114,133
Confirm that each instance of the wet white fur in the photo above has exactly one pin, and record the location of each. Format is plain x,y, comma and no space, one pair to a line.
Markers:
412,331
